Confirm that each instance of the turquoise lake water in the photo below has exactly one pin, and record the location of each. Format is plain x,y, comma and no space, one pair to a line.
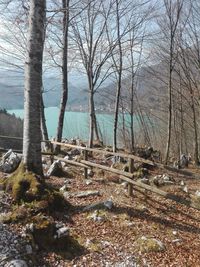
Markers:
76,123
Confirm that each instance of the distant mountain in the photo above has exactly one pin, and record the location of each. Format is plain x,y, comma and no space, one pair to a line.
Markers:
147,84
12,86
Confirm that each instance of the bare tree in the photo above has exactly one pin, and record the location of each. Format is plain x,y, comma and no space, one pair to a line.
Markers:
173,14
64,96
89,35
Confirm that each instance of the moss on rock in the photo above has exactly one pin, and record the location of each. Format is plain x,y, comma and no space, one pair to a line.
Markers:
31,190
44,235
195,199
23,185
145,245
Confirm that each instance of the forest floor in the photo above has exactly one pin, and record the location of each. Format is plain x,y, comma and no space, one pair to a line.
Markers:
113,239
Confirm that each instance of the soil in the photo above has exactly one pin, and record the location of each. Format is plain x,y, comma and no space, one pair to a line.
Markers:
111,241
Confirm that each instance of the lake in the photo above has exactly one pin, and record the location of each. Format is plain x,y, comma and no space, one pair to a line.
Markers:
76,124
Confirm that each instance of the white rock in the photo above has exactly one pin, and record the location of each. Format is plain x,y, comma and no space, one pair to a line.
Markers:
197,193
61,232
124,184
88,182
185,189
177,240
29,249
108,204
63,188
10,161
55,168
16,263
81,194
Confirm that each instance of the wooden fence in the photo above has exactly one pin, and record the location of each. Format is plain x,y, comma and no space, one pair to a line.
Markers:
126,176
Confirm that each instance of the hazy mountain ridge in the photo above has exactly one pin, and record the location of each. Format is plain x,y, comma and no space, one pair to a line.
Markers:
12,95
11,91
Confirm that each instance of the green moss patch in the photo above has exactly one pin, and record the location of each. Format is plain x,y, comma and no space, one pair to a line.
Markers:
145,245
44,235
23,185
32,196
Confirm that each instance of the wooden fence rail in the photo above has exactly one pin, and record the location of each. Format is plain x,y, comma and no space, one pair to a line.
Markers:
126,176
133,157
104,152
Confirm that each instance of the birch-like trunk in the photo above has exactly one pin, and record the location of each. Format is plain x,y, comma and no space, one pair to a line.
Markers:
33,84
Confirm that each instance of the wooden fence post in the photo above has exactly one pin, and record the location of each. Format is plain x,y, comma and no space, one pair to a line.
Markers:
130,186
85,154
52,153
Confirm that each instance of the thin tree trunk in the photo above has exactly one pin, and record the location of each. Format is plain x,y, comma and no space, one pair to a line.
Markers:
131,116
196,145
33,84
169,124
96,128
123,124
119,82
45,135
91,123
64,96
116,114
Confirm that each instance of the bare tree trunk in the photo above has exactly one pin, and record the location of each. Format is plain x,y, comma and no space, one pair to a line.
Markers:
96,128
196,145
91,123
45,135
33,84
64,97
173,14
116,115
45,145
132,114
169,124
119,82
123,124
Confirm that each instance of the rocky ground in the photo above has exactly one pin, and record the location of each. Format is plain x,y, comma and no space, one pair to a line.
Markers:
143,230
15,249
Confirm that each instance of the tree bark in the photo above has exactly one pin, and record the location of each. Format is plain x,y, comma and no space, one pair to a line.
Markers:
119,82
91,121
45,135
169,125
132,112
96,130
64,97
45,145
33,83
